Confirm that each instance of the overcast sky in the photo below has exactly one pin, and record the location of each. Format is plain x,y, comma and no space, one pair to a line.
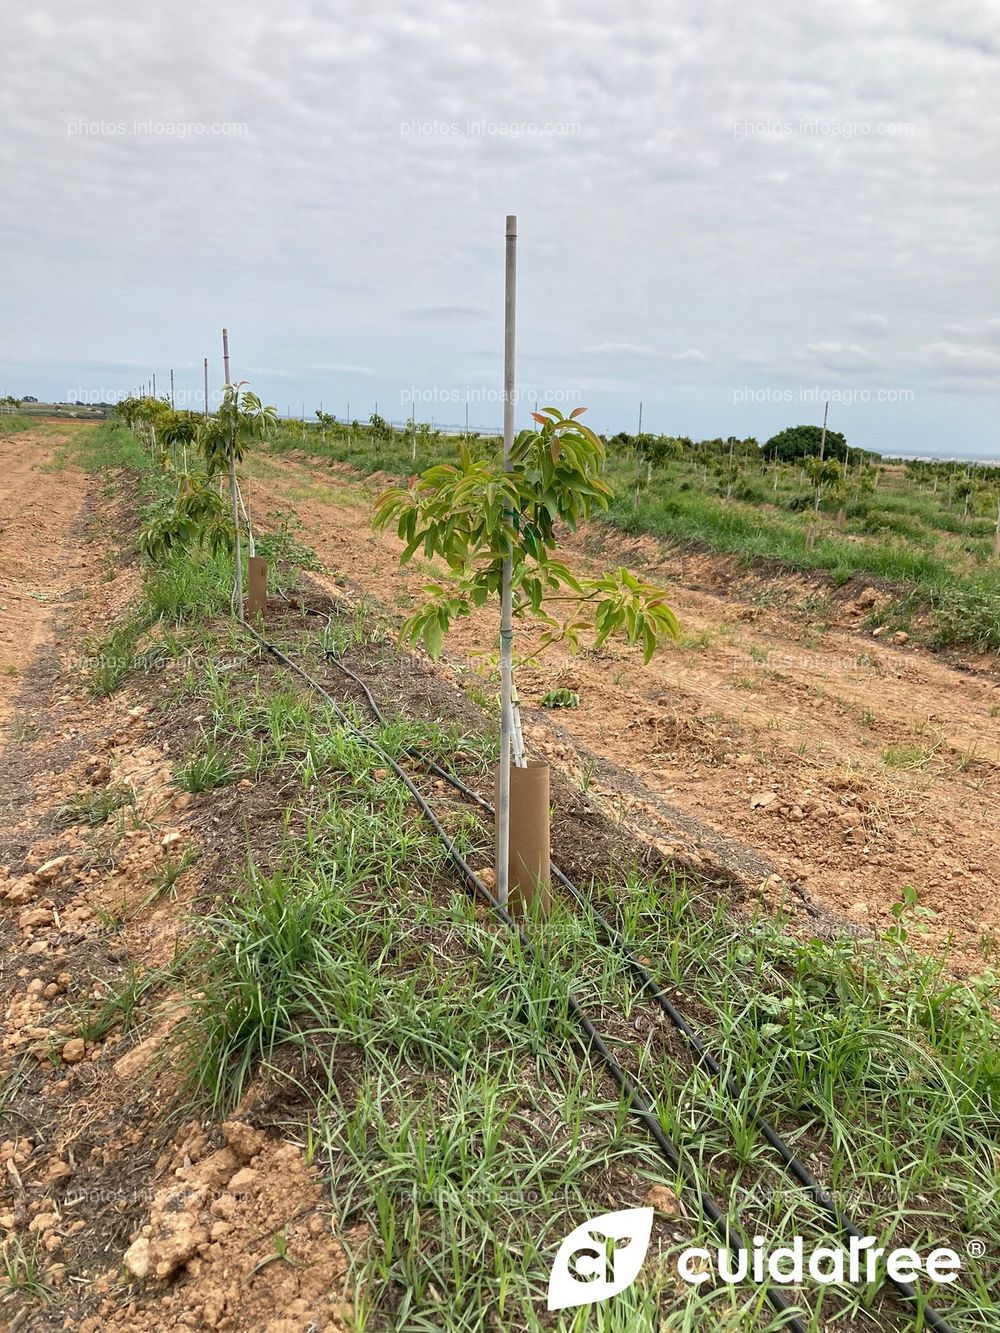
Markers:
724,210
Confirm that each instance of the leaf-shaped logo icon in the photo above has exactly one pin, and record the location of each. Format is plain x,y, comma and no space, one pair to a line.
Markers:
600,1258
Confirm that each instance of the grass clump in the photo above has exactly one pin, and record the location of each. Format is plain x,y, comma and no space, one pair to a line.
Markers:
119,1006
205,770
93,806
24,1271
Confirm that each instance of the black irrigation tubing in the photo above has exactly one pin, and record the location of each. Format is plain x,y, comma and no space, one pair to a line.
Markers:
729,1234
793,1163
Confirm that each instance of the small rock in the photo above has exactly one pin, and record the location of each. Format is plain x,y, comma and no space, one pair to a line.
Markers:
74,1050
217,1168
51,868
136,1258
244,1140
35,916
244,1181
664,1201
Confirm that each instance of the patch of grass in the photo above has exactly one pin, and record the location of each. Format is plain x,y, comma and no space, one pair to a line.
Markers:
357,952
699,642
165,881
968,611
11,1084
93,806
119,1006
205,770
109,448
907,756
24,1270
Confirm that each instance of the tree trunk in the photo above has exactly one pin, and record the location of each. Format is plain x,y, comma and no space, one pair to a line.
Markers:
237,553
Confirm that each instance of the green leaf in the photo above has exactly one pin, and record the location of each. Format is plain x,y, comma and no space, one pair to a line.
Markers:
434,637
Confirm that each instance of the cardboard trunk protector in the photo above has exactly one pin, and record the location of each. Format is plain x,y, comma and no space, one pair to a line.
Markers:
257,586
530,878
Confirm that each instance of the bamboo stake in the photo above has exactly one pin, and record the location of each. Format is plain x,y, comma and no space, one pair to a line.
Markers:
234,494
506,592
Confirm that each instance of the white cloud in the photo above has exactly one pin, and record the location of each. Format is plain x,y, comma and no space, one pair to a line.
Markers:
984,331
876,325
334,186
620,349
840,356
960,359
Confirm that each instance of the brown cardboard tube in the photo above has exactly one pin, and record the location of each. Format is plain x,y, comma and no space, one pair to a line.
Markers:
257,586
530,878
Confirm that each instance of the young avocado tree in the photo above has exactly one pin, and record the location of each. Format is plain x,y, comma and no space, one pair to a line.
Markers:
479,514
240,422
824,474
180,428
145,416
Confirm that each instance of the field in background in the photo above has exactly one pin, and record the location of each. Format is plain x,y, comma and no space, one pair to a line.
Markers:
925,531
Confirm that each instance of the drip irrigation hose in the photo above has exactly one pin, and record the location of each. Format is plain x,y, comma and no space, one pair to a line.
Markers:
733,1088
729,1234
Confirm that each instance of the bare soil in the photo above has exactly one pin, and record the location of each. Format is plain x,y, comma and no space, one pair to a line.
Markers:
780,739
130,1216
40,561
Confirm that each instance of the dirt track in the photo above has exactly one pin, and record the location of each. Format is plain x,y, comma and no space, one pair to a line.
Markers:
95,1171
853,766
39,560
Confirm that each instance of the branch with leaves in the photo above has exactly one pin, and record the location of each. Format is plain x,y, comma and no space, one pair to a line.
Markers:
477,512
